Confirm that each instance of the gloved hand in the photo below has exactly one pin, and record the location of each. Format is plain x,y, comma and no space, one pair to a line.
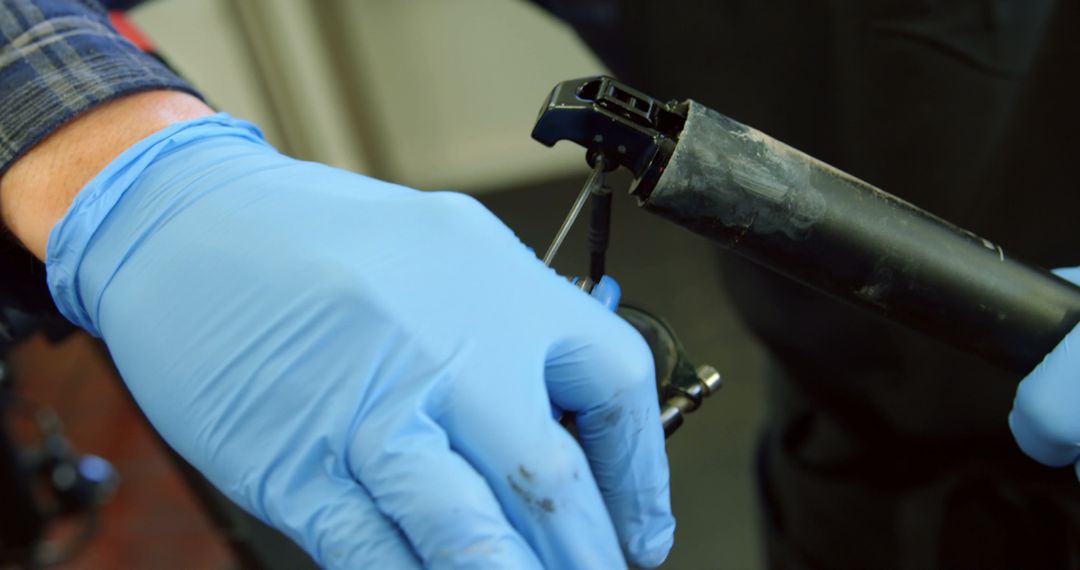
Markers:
369,368
1045,419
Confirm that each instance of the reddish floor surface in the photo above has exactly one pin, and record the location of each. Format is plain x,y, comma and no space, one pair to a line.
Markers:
154,520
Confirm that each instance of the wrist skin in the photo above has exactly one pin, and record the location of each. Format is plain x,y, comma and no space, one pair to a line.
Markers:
37,190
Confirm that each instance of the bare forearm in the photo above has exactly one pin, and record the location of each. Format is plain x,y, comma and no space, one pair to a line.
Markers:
40,186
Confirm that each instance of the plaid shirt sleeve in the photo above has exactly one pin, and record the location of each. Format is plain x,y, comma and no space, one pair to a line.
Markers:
59,58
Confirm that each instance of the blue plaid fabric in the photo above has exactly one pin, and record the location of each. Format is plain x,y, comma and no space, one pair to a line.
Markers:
59,58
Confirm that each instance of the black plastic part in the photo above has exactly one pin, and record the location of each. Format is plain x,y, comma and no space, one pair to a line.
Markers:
805,219
599,232
627,127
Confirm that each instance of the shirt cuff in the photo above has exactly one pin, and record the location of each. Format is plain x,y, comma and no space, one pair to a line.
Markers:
60,59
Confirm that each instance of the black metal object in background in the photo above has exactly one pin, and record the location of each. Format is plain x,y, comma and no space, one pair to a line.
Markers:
805,219
21,525
44,480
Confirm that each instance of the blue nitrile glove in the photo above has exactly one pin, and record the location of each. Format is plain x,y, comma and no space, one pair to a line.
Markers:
1045,419
369,368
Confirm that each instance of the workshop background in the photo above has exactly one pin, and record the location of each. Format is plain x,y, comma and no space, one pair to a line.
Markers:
434,95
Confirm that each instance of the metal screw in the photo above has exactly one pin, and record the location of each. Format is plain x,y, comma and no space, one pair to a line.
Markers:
710,379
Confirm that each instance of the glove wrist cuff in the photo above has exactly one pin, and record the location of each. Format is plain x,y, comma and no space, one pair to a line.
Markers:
70,239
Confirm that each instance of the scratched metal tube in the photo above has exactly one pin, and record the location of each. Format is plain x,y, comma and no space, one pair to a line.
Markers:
794,214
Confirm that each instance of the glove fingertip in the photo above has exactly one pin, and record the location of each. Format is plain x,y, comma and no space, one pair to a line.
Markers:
608,292
1068,273
1037,440
652,549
